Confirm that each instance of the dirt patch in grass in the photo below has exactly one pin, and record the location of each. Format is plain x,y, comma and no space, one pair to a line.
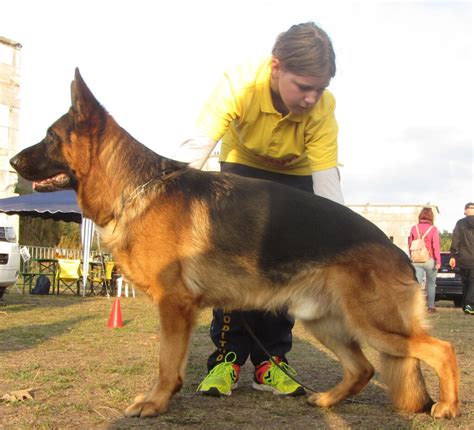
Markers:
84,374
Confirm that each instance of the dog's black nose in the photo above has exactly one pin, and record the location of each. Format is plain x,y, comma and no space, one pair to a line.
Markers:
14,161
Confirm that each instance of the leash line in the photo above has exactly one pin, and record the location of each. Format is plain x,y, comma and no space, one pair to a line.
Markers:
262,347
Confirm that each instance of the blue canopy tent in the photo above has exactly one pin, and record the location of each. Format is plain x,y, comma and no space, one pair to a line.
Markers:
60,206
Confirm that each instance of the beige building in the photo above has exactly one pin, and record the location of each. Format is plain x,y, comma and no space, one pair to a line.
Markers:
9,118
9,112
394,220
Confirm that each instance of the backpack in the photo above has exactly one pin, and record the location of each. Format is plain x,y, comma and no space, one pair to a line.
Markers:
42,285
418,251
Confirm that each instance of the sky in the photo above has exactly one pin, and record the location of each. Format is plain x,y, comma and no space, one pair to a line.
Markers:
403,85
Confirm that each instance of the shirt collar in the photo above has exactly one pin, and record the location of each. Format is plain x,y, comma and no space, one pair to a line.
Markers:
266,104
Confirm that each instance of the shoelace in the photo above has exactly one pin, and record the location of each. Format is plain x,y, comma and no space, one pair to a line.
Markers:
228,359
277,373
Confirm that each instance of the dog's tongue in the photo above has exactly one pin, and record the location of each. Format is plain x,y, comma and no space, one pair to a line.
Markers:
39,185
52,183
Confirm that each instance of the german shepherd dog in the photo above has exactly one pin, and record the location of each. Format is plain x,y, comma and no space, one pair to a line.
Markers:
192,239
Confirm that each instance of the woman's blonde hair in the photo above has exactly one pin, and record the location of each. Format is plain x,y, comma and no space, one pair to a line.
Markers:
305,50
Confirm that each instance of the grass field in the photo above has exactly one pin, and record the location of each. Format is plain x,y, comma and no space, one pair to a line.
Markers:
84,374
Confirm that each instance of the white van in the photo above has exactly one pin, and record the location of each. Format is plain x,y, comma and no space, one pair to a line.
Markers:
9,255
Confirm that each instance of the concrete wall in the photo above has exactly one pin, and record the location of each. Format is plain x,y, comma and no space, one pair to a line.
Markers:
9,112
394,220
9,117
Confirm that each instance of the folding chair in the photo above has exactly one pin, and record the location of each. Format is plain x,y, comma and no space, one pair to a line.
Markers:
28,273
68,275
98,280
109,272
95,278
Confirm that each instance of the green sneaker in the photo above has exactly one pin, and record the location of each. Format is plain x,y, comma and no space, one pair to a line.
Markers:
269,377
222,379
468,309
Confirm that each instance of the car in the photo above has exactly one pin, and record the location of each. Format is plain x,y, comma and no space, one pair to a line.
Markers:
9,255
448,282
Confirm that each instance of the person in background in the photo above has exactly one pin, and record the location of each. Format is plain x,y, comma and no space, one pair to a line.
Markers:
431,266
276,121
462,255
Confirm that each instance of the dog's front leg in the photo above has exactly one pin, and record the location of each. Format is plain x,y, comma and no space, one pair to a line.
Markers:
177,315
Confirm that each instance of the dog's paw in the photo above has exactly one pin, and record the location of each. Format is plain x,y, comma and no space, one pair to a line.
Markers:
445,410
145,409
140,398
323,400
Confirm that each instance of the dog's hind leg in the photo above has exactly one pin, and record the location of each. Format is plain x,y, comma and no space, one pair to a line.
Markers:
357,369
440,355
177,315
382,303
404,379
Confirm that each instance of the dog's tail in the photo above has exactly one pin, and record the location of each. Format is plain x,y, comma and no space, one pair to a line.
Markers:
405,383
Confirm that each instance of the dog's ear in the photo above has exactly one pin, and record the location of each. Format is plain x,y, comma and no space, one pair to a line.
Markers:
84,105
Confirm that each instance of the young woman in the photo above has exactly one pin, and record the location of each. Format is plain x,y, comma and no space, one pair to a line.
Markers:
276,122
428,269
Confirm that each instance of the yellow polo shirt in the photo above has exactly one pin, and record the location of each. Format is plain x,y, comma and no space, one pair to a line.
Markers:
241,113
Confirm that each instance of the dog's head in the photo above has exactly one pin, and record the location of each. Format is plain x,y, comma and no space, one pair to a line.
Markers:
53,164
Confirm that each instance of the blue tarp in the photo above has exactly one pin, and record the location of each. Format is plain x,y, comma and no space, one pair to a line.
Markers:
58,205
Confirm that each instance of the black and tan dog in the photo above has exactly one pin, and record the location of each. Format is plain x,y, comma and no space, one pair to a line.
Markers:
191,239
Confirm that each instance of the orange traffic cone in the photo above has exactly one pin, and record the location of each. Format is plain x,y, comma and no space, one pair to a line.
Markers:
115,320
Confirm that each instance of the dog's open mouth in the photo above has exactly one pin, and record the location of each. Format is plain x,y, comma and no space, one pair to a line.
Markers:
53,183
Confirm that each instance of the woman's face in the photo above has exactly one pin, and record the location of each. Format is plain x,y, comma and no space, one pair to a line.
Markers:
298,93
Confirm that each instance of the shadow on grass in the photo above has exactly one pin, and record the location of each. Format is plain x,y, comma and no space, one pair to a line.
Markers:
29,336
249,409
26,302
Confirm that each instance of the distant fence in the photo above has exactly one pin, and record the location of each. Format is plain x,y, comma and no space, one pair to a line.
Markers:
52,253
46,252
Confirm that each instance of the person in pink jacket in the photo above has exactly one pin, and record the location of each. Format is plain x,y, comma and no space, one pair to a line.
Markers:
430,267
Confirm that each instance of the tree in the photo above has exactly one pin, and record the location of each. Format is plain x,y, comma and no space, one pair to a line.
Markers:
46,232
38,232
49,233
445,238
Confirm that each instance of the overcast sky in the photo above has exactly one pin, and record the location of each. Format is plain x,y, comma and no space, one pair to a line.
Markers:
403,86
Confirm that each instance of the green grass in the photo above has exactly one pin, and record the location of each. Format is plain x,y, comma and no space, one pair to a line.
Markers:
84,374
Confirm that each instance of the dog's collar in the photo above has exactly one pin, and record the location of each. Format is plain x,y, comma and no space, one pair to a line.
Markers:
141,188
139,191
